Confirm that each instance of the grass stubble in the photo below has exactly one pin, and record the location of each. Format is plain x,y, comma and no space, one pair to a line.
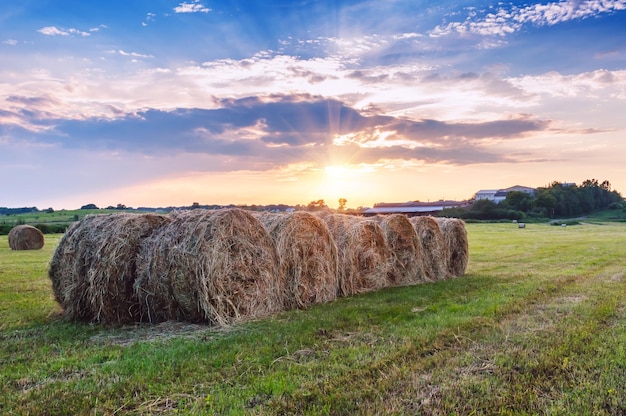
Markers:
536,326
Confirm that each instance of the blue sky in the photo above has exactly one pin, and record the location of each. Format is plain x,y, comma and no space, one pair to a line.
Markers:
159,103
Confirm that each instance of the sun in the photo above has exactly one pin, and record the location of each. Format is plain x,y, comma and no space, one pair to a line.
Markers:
338,172
345,181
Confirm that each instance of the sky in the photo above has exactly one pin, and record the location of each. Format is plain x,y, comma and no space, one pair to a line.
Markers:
154,103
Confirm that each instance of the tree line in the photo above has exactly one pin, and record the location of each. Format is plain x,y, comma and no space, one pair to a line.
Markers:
555,200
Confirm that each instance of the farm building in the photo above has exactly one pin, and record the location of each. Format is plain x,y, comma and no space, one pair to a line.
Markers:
413,208
499,195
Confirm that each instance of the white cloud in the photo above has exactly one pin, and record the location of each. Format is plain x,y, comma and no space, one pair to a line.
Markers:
11,42
150,17
195,7
505,21
55,31
134,54
599,84
407,36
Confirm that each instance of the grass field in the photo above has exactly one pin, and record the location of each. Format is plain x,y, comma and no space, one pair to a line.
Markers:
537,326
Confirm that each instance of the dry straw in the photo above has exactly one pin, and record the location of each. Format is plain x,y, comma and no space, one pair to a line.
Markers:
25,237
308,257
455,236
363,254
93,268
407,257
433,246
216,267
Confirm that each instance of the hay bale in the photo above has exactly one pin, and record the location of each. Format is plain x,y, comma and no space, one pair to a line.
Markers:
363,254
216,267
455,237
433,247
93,268
407,257
25,237
70,265
307,256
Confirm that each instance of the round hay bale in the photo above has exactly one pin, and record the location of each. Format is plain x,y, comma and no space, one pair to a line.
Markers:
407,257
307,255
25,237
363,254
455,237
433,247
216,267
70,265
93,268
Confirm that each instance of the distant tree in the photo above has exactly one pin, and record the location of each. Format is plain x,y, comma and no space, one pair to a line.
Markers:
485,209
342,204
317,205
89,206
49,211
120,206
545,202
521,201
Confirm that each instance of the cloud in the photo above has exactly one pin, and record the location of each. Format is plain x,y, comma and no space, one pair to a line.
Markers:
11,42
134,54
150,17
276,131
195,7
55,31
599,84
507,20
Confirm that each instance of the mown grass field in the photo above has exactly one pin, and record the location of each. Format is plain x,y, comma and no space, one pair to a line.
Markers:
537,326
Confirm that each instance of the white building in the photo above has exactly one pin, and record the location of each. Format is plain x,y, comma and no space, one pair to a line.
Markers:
499,195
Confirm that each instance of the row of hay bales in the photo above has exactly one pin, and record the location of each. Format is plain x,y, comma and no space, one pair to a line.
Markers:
220,267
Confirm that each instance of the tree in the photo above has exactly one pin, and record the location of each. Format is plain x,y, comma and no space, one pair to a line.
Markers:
545,201
521,201
317,205
342,204
89,206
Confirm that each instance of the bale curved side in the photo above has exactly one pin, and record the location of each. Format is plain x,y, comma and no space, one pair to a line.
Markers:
111,279
93,269
209,266
407,257
433,246
363,254
70,264
455,236
308,257
25,237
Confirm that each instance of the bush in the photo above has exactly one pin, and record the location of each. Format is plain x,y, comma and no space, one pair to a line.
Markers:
616,206
44,228
565,222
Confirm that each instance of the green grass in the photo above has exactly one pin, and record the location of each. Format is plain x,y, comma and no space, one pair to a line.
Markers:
48,220
538,326
42,217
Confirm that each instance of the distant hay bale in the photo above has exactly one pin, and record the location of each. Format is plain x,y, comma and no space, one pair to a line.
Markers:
455,236
25,237
407,257
93,268
307,255
216,267
363,254
433,247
